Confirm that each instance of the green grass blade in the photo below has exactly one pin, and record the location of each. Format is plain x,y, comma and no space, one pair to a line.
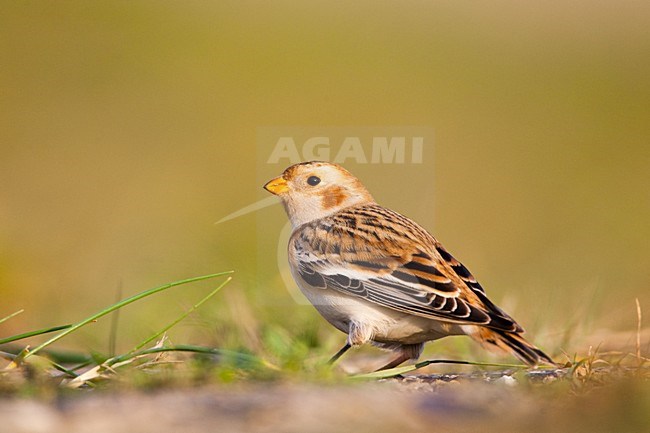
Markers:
197,349
180,318
64,357
62,369
4,319
52,362
119,305
33,333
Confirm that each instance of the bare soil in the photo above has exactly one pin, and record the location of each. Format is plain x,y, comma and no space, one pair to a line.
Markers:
480,402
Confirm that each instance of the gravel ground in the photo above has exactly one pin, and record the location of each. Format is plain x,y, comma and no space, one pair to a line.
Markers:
479,402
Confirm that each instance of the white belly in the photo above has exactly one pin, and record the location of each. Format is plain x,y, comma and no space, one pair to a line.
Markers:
386,325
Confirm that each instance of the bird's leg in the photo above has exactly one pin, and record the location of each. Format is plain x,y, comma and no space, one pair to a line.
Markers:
338,354
406,352
402,357
358,334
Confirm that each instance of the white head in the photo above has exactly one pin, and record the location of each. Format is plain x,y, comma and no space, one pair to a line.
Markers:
313,190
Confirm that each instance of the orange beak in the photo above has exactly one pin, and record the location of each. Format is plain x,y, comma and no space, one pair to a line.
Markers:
277,186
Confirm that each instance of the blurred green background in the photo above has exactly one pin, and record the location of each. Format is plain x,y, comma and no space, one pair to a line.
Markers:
128,128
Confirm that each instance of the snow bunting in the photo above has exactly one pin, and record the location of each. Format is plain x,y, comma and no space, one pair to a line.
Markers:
378,276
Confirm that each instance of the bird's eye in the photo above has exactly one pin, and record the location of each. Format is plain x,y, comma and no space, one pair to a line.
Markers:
313,180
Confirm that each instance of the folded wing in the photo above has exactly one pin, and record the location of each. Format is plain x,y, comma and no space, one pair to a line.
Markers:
383,257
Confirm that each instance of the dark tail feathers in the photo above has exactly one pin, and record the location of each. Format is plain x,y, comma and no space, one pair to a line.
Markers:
513,343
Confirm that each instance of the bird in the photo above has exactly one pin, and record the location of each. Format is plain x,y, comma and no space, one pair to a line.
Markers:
378,276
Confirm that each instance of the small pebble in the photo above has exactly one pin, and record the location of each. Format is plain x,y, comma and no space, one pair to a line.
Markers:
507,380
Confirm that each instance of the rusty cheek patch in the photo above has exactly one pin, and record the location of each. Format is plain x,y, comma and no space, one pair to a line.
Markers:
333,196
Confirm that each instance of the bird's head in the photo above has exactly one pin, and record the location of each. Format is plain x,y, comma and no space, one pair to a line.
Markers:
313,190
